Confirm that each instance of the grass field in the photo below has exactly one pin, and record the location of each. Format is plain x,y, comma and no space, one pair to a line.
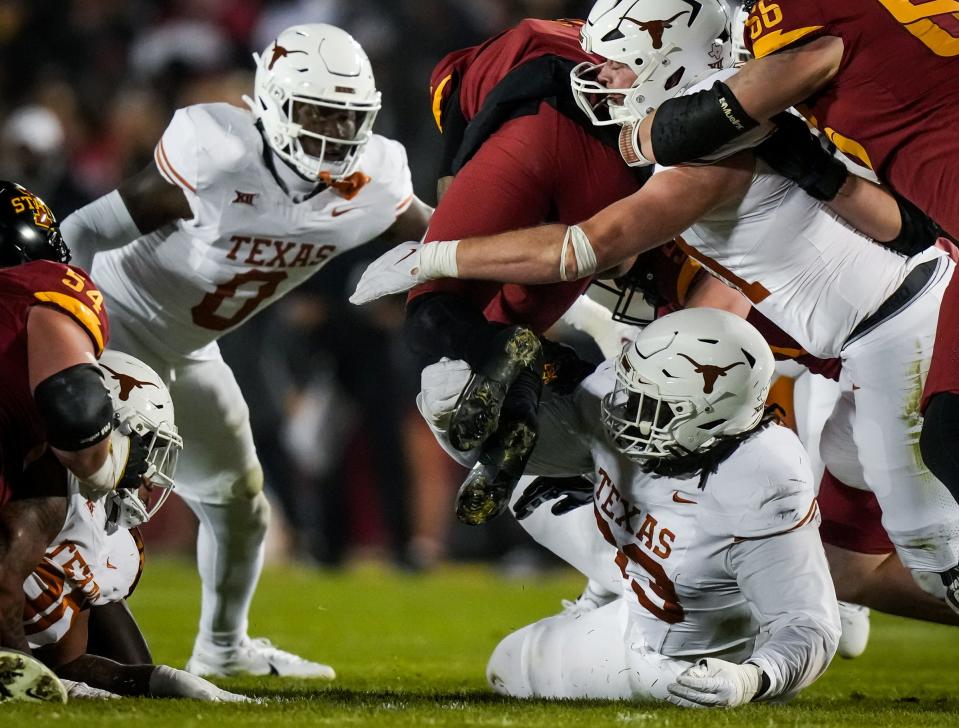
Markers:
410,650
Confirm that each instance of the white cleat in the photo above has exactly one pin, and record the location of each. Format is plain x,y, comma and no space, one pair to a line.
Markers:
26,678
854,620
253,657
593,597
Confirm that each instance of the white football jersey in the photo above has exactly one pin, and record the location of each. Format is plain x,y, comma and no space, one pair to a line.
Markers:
83,567
692,559
248,242
802,266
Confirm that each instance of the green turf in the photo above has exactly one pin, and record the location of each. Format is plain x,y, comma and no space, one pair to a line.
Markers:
411,650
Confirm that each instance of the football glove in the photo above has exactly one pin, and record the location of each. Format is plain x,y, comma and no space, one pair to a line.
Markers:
712,682
440,387
569,494
401,268
124,467
168,682
82,691
795,153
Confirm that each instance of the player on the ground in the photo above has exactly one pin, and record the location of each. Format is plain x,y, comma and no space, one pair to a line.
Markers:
710,518
240,207
823,283
881,80
55,412
76,617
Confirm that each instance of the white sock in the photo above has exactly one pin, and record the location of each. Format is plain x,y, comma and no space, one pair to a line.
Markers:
229,554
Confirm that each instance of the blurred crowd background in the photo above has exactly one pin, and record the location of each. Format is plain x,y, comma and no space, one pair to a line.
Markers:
88,87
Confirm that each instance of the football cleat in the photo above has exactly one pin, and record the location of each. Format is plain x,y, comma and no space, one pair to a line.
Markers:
488,485
950,580
593,597
854,621
253,657
476,414
23,677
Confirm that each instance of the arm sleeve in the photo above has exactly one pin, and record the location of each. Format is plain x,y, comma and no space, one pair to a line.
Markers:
786,580
104,224
563,441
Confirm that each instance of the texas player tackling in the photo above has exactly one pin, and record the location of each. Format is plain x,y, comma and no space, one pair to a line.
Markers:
708,512
240,207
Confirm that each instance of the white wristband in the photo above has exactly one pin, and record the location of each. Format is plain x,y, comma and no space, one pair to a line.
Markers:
438,260
582,251
107,476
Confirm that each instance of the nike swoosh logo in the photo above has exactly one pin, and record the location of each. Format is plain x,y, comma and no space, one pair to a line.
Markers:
413,250
109,565
273,670
336,212
677,498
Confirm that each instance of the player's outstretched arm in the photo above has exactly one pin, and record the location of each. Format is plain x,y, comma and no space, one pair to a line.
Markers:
140,205
689,127
666,206
27,526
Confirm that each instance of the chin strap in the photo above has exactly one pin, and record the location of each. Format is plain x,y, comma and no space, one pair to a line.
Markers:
348,187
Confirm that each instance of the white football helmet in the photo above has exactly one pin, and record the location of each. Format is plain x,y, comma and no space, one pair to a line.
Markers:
316,65
141,405
669,44
689,378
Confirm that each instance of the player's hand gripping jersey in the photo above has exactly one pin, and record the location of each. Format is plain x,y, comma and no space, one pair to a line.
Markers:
83,567
248,243
892,102
40,283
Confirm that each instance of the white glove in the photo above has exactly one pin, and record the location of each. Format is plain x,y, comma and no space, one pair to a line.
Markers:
440,387
168,682
401,268
713,682
82,691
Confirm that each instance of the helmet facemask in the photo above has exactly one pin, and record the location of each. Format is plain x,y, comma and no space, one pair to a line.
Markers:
308,73
642,424
286,136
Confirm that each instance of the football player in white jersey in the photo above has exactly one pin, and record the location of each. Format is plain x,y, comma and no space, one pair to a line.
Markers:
708,513
240,207
831,288
75,613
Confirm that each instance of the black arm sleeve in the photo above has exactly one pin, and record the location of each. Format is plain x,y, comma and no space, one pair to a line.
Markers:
75,407
689,127
918,232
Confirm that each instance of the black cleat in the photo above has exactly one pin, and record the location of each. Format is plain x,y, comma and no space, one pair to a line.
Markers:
950,579
476,414
488,486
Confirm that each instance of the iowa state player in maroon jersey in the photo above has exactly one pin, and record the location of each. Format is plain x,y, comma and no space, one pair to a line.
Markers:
55,412
519,153
880,79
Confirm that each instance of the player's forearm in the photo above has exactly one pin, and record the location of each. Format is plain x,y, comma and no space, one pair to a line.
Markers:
99,672
868,207
527,256
762,88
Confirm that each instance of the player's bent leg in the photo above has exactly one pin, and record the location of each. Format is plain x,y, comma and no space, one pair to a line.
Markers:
23,677
587,656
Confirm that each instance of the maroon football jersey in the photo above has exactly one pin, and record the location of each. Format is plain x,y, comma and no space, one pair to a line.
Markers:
893,102
43,283
480,68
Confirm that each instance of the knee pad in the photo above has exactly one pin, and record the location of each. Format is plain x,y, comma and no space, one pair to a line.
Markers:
249,485
940,437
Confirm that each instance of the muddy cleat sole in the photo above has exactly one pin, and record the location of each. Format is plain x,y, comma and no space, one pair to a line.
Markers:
23,677
488,486
475,416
